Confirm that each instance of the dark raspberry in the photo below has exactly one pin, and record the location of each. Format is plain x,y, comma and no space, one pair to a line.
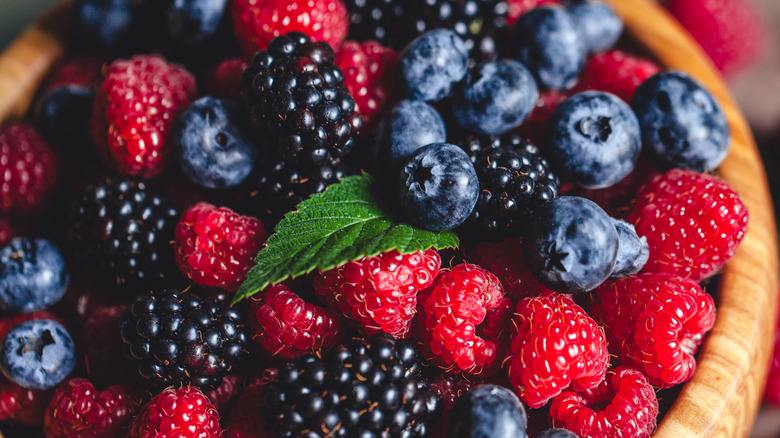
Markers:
359,389
297,99
181,340
514,179
124,231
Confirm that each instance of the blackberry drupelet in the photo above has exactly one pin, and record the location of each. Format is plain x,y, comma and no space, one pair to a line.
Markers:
359,389
297,99
281,184
514,179
394,23
177,339
125,232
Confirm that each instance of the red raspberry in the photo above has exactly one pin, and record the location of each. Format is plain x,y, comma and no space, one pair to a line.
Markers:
655,324
533,127
7,231
225,396
79,410
30,170
225,79
134,111
286,326
520,7
177,413
730,31
624,405
506,260
464,318
616,72
257,22
369,75
555,344
772,391
216,247
379,293
693,223
104,361
245,420
81,70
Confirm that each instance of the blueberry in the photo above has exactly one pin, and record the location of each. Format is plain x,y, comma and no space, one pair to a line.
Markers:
411,125
117,25
37,354
681,122
431,64
192,22
496,97
594,139
33,275
557,433
63,116
214,150
633,250
597,23
547,41
488,411
570,244
438,187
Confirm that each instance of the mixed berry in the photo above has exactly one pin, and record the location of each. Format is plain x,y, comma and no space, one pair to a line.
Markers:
571,171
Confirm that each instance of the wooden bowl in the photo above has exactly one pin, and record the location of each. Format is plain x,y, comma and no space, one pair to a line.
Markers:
722,398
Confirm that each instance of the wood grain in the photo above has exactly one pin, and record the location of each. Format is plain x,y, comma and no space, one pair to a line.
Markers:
723,396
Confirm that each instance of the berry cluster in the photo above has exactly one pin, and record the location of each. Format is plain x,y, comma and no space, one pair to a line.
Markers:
577,177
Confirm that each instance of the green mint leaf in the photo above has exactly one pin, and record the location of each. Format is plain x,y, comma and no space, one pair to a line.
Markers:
342,224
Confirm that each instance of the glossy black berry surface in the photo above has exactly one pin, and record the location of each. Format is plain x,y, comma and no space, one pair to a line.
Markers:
177,339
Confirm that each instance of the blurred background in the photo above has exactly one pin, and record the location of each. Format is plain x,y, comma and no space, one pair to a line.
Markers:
741,36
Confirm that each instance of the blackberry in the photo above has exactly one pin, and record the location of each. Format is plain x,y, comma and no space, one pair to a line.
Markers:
281,184
297,99
395,23
514,179
359,389
177,339
124,232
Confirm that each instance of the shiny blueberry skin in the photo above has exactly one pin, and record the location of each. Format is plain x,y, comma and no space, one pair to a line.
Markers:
63,116
570,244
431,64
194,21
124,25
411,125
488,411
597,22
496,97
594,139
438,187
547,41
633,250
681,122
557,433
37,354
33,275
214,150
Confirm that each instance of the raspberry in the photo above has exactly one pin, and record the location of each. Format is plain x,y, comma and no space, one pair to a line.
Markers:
257,22
79,410
379,293
7,230
449,387
177,413
79,70
693,223
216,247
520,7
555,344
654,324
134,111
369,75
730,31
225,79
245,421
772,391
30,168
534,125
286,326
226,395
103,359
624,405
464,315
616,72
506,260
